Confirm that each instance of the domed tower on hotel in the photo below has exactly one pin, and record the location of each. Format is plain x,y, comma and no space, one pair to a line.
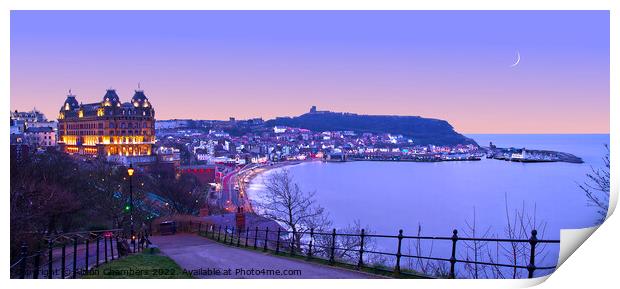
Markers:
121,132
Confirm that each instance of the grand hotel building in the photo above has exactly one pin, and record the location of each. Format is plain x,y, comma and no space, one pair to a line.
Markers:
120,132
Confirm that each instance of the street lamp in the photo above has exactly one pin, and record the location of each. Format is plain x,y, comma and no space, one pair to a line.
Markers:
130,172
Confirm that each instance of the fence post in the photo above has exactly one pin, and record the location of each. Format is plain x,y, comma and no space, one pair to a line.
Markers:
22,263
63,262
238,236
232,235
226,234
255,237
105,249
50,246
86,256
310,244
112,248
532,265
37,264
455,237
360,262
398,254
219,231
266,238
74,275
97,254
332,259
293,242
247,235
278,242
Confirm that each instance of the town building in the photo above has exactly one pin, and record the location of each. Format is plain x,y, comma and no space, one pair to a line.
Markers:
174,124
168,155
17,126
205,174
28,116
122,132
32,128
40,137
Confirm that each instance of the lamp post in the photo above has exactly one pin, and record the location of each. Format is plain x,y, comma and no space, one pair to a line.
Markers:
130,172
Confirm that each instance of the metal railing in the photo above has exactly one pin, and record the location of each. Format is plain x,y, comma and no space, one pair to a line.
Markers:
70,255
305,244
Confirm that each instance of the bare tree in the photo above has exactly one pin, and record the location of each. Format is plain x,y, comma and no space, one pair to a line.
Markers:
348,243
475,249
519,225
183,193
596,188
421,265
284,202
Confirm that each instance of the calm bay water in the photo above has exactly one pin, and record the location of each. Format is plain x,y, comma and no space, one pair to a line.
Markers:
388,196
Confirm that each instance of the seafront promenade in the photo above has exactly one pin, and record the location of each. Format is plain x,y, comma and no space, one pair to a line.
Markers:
235,184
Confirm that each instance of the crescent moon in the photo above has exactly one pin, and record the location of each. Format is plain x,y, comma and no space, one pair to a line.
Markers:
518,59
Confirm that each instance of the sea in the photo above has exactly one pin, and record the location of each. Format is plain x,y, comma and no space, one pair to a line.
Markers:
435,198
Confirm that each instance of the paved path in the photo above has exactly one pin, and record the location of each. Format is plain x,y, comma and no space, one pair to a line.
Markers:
209,259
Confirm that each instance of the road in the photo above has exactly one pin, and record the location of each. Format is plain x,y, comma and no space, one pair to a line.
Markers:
227,201
235,182
209,259
233,195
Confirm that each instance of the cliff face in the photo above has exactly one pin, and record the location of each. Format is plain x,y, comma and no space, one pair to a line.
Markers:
423,131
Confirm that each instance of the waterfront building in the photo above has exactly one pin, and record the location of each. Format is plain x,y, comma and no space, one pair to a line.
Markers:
122,132
519,155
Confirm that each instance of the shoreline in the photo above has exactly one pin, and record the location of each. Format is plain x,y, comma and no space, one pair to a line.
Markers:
254,172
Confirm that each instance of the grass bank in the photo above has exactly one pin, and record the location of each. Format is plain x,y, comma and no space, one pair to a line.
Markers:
146,265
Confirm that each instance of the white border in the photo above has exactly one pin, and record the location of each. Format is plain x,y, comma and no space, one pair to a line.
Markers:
593,265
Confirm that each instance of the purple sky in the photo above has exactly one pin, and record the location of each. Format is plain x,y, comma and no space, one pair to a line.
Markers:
215,64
